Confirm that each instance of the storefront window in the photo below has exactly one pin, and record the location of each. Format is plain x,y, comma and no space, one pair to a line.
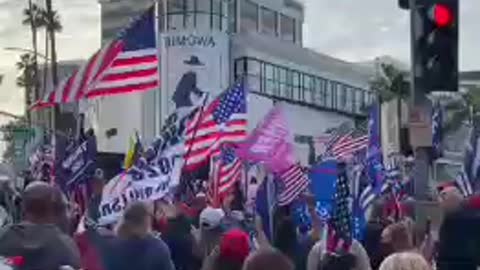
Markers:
249,16
287,28
269,22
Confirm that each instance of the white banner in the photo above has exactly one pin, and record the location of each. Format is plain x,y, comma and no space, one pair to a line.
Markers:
146,182
193,64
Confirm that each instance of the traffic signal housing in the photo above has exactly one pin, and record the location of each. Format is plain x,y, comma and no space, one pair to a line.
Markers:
437,48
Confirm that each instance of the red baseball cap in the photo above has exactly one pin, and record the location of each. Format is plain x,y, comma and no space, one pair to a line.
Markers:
235,245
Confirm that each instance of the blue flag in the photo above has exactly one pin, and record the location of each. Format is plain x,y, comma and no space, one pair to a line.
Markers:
375,170
79,161
323,184
437,136
265,204
301,216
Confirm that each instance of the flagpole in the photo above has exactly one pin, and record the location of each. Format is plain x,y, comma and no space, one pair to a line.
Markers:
158,110
195,129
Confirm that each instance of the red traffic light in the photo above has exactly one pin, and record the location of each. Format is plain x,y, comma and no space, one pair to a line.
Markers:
441,15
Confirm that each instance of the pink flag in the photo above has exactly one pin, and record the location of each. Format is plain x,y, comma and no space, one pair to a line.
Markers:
271,143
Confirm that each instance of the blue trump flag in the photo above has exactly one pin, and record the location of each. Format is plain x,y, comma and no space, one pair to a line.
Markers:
323,178
375,169
79,161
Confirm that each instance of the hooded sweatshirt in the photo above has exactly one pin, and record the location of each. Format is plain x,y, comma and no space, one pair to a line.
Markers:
43,246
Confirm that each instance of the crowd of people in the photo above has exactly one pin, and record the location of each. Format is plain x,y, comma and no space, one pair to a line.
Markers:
170,234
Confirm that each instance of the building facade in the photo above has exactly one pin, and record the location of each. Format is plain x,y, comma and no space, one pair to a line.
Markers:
208,45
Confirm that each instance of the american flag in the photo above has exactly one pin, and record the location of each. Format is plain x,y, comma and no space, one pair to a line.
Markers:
224,120
464,184
227,170
294,182
333,136
348,145
129,63
340,228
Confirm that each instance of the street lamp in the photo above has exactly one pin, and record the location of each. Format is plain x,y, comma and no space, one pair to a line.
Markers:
17,49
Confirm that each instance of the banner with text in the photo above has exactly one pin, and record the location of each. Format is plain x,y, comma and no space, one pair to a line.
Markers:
143,182
194,65
271,143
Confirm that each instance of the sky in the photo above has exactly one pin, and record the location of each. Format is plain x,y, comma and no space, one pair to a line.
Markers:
347,29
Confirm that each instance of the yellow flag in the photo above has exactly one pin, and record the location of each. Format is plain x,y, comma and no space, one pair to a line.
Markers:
129,156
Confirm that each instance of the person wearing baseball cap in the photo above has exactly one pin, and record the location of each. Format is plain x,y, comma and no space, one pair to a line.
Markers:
210,232
233,249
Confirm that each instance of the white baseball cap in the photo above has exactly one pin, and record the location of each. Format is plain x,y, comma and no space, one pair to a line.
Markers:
211,217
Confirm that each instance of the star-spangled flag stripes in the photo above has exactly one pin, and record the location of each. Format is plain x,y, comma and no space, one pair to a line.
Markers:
224,120
340,231
227,171
294,182
129,63
345,148
464,184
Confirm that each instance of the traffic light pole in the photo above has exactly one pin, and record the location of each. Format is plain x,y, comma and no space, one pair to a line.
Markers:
420,102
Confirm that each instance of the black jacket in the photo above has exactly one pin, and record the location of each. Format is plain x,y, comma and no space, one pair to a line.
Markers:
44,247
459,240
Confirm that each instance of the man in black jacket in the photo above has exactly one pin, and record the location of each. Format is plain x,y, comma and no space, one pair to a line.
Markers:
38,239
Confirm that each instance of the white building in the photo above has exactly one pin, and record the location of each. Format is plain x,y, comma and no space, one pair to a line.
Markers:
257,40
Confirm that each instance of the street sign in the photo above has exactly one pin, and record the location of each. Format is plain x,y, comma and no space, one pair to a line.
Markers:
420,127
21,136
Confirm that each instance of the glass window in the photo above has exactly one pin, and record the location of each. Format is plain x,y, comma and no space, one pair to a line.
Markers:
296,85
249,16
282,79
176,10
307,89
287,28
239,67
202,14
253,67
269,22
232,16
320,93
342,98
217,14
288,86
269,79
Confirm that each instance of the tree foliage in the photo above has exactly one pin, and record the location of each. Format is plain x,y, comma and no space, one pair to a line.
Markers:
390,83
26,77
8,139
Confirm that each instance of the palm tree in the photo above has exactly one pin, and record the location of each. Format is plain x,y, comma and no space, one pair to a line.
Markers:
33,17
390,83
26,79
49,24
52,25
465,108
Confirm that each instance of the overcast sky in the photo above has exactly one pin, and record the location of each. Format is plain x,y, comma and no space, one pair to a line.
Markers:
348,29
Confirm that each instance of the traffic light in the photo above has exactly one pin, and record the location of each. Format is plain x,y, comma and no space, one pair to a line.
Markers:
438,45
